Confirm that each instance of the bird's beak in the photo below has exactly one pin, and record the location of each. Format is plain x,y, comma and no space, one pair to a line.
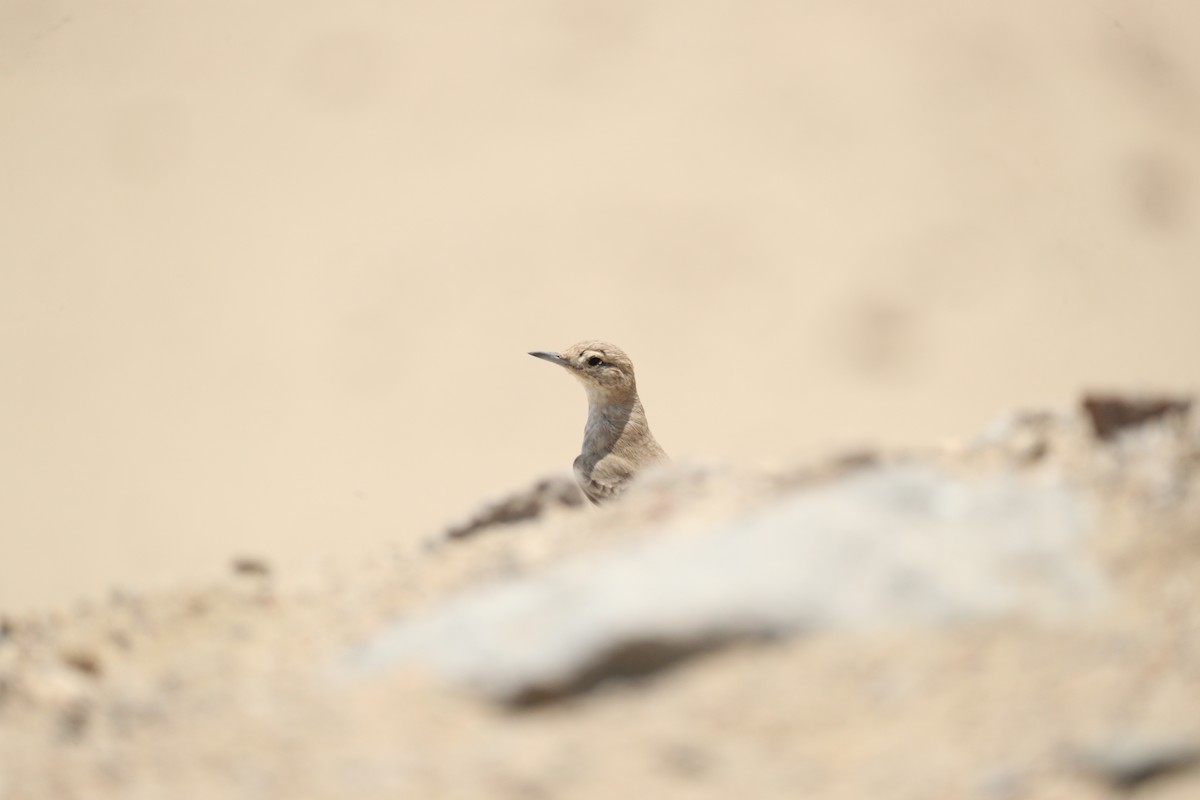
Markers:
553,358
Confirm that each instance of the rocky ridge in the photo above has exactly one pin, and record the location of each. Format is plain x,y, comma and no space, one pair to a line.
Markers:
1014,615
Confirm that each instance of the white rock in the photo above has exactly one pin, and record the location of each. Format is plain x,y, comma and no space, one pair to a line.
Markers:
888,546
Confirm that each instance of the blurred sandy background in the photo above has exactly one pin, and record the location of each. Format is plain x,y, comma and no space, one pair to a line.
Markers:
269,270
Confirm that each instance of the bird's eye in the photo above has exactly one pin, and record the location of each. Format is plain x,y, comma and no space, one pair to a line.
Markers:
595,361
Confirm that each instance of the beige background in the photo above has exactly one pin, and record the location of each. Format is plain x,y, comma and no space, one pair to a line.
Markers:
269,270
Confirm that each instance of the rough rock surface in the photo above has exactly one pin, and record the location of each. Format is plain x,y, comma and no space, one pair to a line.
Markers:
898,544
1011,616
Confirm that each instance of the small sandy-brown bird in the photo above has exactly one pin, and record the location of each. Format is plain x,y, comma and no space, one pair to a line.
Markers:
617,442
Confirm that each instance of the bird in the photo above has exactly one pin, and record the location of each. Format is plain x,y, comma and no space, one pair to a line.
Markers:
617,443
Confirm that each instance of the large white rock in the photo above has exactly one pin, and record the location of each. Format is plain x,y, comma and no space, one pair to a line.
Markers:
891,546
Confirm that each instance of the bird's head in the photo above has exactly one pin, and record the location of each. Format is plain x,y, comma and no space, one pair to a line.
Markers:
603,369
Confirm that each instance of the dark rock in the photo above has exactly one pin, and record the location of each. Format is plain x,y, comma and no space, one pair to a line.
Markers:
1126,763
249,565
522,506
1111,414
84,662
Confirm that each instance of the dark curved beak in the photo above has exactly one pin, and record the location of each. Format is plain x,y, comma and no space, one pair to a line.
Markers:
553,358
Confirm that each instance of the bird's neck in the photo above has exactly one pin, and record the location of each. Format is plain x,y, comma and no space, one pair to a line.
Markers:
611,419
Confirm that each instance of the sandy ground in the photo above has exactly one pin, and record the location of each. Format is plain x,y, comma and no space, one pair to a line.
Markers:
270,270
238,689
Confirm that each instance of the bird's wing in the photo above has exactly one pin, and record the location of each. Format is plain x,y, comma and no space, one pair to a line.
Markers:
606,479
